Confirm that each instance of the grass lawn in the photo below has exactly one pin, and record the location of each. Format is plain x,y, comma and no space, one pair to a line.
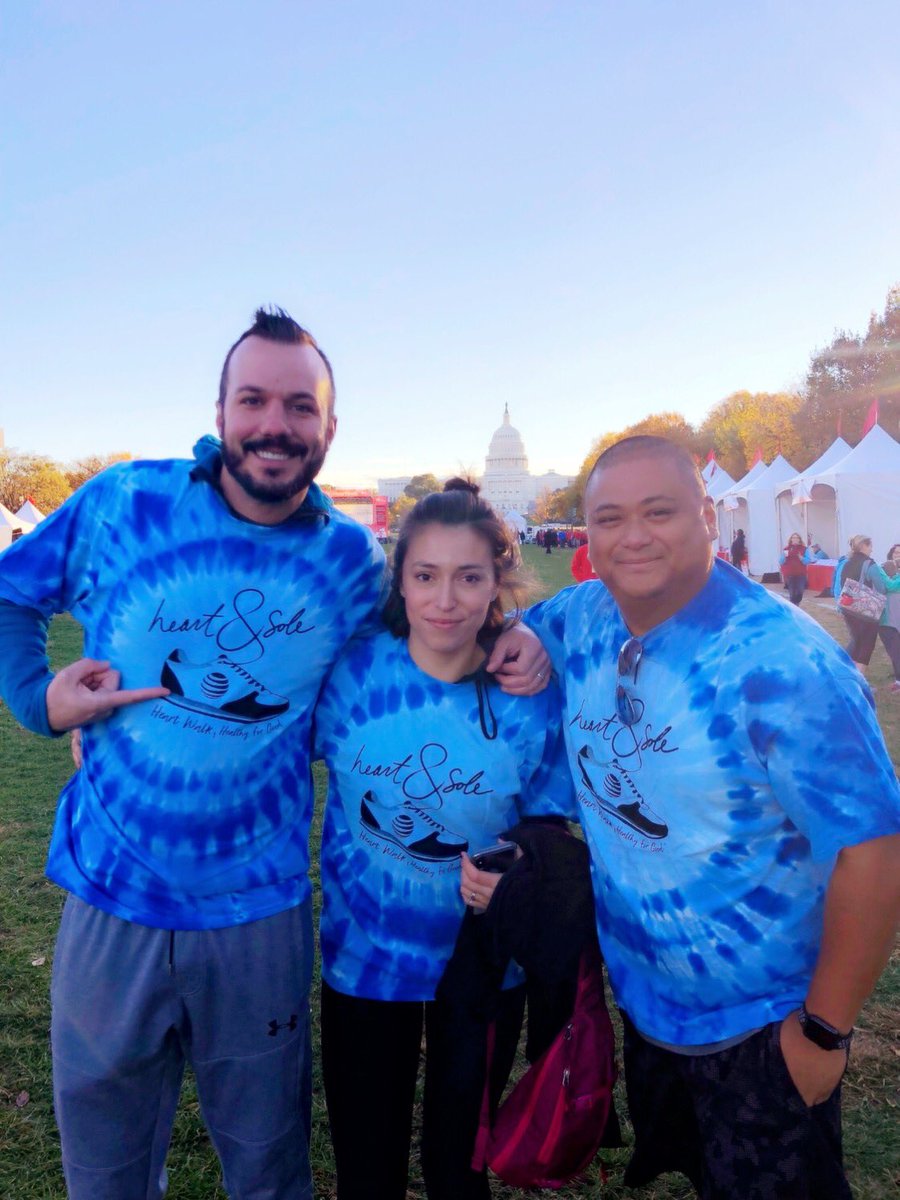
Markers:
32,771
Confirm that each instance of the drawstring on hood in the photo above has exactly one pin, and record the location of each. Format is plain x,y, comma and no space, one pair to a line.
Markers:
486,715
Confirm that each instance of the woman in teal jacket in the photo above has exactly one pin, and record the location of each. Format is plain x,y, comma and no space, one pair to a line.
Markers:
863,568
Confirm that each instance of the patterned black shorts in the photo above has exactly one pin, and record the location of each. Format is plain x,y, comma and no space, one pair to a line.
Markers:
732,1122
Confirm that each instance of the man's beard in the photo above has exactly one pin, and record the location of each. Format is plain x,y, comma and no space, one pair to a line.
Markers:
307,462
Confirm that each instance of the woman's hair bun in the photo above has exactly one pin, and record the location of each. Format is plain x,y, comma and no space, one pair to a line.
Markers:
458,484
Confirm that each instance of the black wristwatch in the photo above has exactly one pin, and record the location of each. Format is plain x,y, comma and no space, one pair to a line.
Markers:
825,1036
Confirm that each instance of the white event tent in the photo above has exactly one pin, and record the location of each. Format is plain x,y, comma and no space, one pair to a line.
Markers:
752,508
11,526
30,512
731,512
866,488
718,482
806,507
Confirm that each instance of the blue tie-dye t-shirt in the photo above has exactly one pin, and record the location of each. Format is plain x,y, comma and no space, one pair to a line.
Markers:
415,779
715,819
193,812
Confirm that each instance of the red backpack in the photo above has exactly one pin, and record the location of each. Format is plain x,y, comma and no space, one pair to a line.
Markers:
550,1126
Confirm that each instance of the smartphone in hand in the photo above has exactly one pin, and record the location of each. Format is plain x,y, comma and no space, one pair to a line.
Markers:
496,859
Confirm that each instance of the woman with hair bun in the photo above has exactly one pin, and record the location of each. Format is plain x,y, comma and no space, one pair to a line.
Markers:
429,763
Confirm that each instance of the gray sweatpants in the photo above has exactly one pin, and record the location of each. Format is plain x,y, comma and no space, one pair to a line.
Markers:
132,1004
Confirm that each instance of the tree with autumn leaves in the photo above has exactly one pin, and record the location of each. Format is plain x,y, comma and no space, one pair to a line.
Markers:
44,482
843,382
846,378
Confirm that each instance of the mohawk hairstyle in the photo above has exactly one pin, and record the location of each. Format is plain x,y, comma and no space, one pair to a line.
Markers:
275,325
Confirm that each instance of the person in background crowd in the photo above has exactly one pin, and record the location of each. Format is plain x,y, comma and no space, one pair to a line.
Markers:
862,567
891,565
889,631
581,565
743,818
793,568
428,762
739,550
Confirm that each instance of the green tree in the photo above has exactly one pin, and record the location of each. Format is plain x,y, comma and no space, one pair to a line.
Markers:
560,507
399,508
422,485
30,476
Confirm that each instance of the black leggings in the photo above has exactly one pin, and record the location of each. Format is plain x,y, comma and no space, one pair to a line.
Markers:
890,639
370,1058
796,585
862,637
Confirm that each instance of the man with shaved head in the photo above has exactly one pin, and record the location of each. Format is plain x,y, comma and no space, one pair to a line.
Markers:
743,818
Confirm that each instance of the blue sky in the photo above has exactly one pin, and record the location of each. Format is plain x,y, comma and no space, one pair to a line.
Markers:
588,211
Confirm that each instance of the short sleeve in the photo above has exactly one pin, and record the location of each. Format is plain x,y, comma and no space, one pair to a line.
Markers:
829,768
548,620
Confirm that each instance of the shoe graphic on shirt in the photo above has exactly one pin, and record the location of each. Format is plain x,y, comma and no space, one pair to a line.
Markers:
412,828
613,787
219,688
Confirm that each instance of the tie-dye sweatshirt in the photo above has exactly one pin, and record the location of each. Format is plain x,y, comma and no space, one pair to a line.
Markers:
191,812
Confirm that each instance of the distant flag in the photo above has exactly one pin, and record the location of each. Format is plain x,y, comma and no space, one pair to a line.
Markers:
840,418
757,457
711,455
871,417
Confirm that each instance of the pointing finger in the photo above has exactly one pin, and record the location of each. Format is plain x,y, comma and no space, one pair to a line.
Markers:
121,699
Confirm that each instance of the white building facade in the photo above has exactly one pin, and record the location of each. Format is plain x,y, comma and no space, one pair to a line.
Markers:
507,483
393,487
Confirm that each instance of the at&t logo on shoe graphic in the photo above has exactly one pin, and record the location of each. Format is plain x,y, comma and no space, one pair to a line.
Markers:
412,828
614,789
219,688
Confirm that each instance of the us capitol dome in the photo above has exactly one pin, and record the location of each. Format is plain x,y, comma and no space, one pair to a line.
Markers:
507,483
